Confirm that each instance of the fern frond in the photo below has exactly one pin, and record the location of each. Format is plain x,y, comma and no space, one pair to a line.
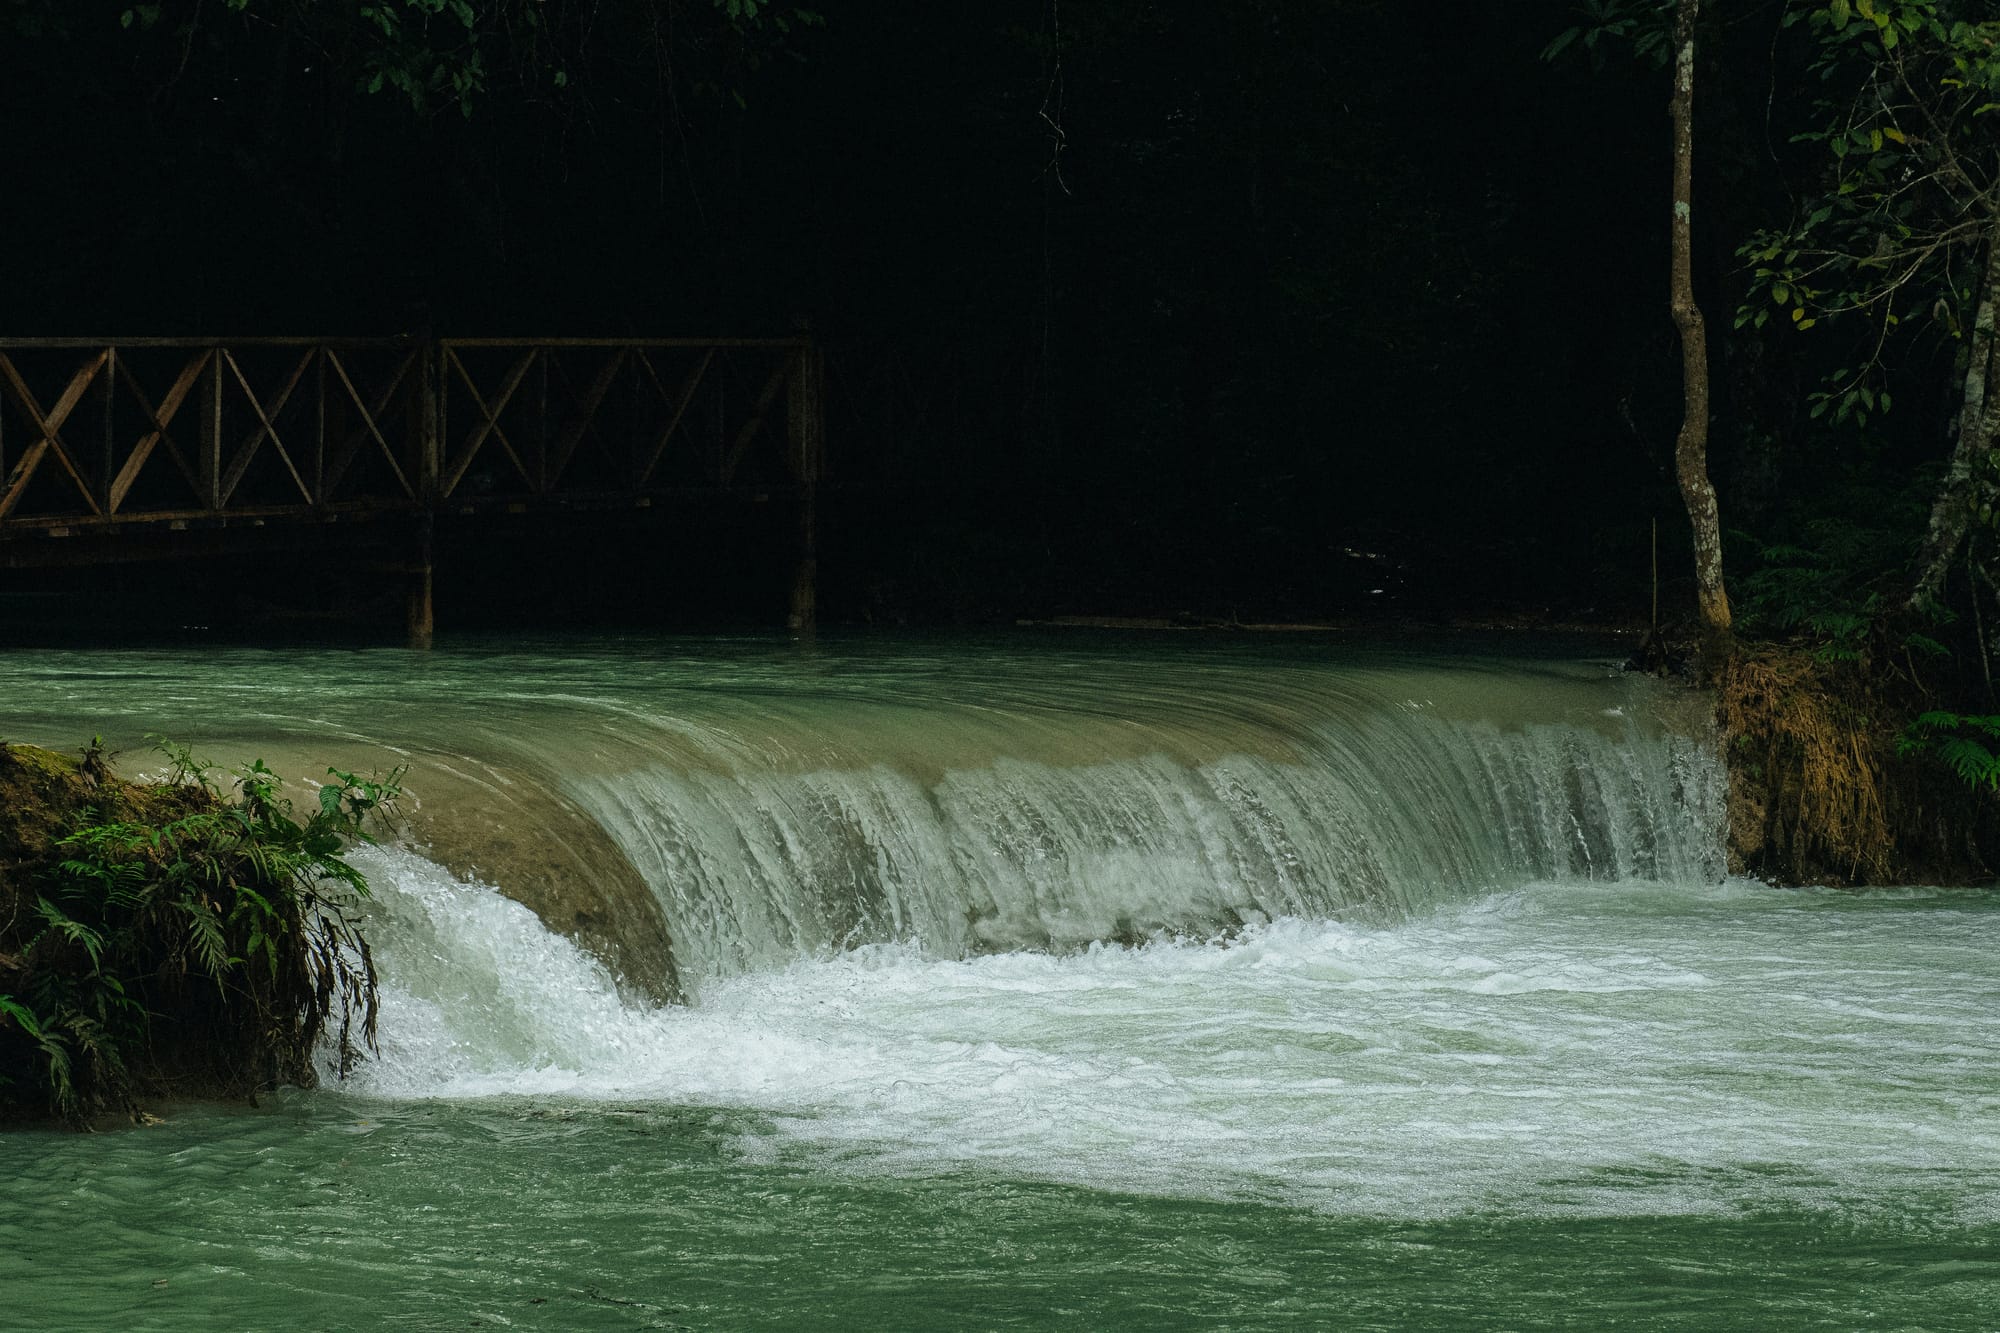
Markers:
72,930
211,947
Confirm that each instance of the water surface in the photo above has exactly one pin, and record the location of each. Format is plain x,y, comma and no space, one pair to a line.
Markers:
1055,983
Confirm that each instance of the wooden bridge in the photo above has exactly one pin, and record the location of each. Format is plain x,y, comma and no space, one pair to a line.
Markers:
101,438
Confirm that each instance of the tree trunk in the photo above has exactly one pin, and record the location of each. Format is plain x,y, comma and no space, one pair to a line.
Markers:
1978,418
1691,448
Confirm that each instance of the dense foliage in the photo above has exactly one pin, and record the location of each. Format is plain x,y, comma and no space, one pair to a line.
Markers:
1865,348
1255,308
175,938
1893,243
1130,308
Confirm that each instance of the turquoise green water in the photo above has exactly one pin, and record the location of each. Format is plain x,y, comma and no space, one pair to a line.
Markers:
1417,1000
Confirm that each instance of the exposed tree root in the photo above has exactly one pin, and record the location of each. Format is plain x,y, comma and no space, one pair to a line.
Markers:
1818,792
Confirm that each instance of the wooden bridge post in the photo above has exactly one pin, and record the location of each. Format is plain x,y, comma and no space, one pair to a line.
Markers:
807,422
426,439
419,619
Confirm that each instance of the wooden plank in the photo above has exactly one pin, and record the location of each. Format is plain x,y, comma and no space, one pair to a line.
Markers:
771,343
201,344
161,417
351,445
476,437
593,398
368,423
104,545
765,397
16,531
678,406
264,427
247,515
49,423
24,472
105,444
350,343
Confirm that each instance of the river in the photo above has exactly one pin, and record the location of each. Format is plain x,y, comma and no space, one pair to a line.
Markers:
1051,981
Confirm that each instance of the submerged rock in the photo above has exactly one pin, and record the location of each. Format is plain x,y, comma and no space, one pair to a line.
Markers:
539,849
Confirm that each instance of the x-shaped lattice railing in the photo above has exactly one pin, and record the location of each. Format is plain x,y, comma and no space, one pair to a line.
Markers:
543,465
306,431
48,425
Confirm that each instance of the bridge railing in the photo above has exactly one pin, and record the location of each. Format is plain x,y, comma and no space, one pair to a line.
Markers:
583,418
98,433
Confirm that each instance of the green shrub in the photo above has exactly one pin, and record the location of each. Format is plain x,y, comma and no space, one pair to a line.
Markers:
184,939
1964,742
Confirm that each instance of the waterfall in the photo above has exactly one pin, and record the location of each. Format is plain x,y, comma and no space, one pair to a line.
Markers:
1370,807
762,803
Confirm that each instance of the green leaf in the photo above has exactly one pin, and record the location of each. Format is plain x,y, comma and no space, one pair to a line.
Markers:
23,1015
205,933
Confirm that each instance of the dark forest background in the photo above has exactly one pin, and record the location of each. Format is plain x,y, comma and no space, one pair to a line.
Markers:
1272,309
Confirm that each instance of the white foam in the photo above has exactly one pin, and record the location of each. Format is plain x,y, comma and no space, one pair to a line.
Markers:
1559,1047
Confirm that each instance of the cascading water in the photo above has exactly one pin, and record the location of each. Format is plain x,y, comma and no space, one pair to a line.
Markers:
1130,986
1374,816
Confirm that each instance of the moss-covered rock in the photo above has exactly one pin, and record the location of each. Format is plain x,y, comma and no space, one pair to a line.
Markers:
172,939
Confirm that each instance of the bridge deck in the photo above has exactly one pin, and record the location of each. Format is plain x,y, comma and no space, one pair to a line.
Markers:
107,435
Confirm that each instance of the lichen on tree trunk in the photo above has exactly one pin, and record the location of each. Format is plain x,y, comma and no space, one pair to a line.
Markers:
1978,425
1691,447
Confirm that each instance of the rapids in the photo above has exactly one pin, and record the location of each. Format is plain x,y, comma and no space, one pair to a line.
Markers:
1042,981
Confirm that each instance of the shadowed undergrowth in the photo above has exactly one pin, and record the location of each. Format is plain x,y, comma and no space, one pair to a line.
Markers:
179,938
1835,780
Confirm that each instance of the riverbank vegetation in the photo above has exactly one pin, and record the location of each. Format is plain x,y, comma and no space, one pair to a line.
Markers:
1840,774
176,938
1859,717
